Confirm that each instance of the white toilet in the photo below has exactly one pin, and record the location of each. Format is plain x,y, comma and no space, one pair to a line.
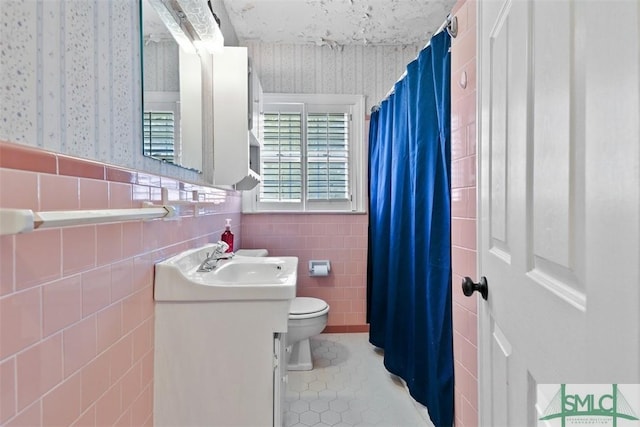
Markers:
307,317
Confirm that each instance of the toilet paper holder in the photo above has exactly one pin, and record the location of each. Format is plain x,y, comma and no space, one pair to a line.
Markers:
319,267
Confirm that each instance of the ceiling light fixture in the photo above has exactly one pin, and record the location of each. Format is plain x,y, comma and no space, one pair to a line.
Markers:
173,22
192,24
200,16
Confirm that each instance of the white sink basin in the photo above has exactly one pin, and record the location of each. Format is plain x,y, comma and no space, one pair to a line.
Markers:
249,272
238,278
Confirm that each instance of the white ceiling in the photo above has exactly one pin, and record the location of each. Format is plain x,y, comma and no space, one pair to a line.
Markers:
337,22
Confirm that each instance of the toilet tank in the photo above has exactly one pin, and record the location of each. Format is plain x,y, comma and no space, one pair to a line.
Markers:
252,252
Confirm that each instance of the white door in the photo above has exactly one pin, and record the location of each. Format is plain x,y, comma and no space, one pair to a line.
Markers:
559,194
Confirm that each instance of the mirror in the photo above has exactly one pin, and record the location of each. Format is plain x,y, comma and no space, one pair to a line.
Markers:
172,94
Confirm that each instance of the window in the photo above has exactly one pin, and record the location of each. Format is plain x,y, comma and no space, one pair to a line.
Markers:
158,134
161,126
281,157
328,156
312,154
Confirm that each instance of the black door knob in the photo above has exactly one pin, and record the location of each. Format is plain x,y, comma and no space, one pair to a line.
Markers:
468,287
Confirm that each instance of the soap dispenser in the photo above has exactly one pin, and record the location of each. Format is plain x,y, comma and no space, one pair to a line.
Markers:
227,235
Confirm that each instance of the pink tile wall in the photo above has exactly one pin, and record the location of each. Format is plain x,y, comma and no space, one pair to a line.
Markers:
340,238
463,212
76,304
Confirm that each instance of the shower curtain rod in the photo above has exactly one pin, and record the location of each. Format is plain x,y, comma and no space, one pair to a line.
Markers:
451,25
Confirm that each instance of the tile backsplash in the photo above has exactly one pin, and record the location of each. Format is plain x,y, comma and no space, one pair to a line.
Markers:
340,238
76,303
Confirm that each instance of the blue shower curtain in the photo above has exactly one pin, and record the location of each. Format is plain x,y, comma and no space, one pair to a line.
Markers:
409,263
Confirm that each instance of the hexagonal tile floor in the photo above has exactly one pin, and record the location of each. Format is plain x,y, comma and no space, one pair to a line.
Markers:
349,386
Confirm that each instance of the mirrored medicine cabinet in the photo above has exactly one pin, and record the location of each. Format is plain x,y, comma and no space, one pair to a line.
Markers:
172,120
185,121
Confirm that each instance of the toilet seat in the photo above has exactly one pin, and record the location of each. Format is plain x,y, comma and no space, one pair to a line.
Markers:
306,308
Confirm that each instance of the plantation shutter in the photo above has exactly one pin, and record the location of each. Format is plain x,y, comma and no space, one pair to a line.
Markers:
306,157
327,156
281,157
159,135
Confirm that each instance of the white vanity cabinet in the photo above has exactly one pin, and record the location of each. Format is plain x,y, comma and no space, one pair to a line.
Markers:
219,356
220,363
237,100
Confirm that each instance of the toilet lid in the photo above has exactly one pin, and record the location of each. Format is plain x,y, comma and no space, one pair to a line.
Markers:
304,305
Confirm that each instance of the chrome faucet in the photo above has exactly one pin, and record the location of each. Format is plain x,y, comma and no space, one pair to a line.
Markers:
211,261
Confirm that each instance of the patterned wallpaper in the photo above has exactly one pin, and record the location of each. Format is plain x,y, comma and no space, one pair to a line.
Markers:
70,78
70,81
362,70
161,67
